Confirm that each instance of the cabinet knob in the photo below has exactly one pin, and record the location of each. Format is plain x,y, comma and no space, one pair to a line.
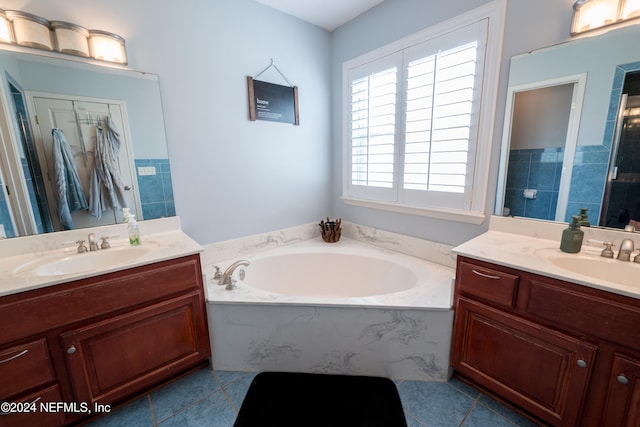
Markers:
71,349
581,363
622,379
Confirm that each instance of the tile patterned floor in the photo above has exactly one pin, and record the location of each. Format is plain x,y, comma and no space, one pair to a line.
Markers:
207,398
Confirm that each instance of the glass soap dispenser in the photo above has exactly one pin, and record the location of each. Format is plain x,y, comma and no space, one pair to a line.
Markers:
572,237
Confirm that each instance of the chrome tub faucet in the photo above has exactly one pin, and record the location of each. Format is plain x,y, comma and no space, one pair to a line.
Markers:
226,279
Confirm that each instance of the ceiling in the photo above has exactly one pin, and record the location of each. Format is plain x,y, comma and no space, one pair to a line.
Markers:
328,14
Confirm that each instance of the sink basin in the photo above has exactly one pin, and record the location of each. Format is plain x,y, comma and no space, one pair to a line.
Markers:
75,263
611,270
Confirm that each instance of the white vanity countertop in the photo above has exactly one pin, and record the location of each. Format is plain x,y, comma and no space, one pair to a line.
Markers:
532,254
161,241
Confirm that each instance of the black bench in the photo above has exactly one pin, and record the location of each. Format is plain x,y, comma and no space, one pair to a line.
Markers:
286,399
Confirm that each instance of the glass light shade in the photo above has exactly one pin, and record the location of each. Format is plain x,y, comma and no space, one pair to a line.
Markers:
107,46
30,30
630,9
70,38
6,36
592,14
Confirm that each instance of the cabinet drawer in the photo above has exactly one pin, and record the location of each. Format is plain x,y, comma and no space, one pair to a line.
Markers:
24,367
488,284
95,296
589,314
38,418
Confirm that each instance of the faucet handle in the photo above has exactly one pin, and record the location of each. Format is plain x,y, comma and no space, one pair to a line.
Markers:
218,273
607,252
105,243
81,246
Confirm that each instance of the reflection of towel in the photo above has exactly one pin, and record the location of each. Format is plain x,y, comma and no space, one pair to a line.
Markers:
106,190
68,189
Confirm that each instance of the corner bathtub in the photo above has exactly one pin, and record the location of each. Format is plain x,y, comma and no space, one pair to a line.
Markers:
346,307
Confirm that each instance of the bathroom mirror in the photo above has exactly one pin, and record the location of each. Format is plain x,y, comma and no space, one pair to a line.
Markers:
563,117
39,93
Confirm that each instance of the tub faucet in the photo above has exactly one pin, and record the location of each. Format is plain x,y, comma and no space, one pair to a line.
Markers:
226,279
626,247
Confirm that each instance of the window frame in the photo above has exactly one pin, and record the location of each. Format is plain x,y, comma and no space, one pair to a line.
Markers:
475,210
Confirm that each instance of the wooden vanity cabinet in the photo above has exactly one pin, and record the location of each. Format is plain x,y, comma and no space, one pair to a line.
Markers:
101,340
566,354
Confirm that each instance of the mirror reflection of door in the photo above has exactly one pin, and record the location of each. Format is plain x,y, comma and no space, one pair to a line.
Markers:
621,204
79,120
536,152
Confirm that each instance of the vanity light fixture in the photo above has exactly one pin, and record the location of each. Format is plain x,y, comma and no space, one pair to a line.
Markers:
30,30
70,38
26,29
592,14
107,46
6,35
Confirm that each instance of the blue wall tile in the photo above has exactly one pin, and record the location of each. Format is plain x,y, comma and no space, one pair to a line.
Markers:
156,191
537,169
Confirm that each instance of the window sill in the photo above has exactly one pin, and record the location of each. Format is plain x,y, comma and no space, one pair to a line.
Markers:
469,217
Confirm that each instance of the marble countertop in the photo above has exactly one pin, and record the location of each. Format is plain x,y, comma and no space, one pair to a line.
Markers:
532,254
161,240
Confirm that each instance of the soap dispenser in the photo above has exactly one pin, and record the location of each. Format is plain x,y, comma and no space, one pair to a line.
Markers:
132,227
572,237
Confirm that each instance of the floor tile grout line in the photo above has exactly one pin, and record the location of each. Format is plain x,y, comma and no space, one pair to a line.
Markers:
473,406
224,391
153,413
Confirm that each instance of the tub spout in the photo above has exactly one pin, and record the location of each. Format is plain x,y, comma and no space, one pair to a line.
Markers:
226,278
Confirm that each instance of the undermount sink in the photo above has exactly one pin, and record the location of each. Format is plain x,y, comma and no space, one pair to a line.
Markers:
611,270
76,263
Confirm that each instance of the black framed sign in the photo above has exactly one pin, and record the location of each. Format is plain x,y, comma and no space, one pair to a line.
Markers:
272,102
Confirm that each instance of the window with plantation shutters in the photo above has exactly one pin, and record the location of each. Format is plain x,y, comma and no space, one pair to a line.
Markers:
412,120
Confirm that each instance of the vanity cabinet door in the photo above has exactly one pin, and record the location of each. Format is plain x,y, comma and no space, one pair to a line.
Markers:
126,354
622,406
539,369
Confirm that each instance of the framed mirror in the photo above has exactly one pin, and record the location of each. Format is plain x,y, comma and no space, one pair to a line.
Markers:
563,114
87,105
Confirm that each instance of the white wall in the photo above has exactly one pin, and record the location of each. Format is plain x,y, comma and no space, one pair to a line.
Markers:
530,25
233,177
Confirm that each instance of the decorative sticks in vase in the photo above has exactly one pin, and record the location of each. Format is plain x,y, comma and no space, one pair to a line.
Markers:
331,230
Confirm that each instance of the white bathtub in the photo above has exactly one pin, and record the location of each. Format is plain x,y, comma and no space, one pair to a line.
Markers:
347,307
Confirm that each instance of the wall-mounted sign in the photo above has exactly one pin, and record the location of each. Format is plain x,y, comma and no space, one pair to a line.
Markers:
272,102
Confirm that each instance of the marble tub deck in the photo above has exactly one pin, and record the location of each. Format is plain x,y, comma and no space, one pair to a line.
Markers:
401,335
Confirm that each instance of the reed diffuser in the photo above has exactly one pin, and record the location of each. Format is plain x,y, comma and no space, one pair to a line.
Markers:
331,230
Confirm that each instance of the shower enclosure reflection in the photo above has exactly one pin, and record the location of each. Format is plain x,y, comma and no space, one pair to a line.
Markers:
621,203
39,93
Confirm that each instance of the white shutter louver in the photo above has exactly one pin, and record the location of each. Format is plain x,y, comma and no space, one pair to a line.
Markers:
438,119
373,120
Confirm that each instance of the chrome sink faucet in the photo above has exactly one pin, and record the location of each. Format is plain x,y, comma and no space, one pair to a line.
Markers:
626,247
225,279
93,244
